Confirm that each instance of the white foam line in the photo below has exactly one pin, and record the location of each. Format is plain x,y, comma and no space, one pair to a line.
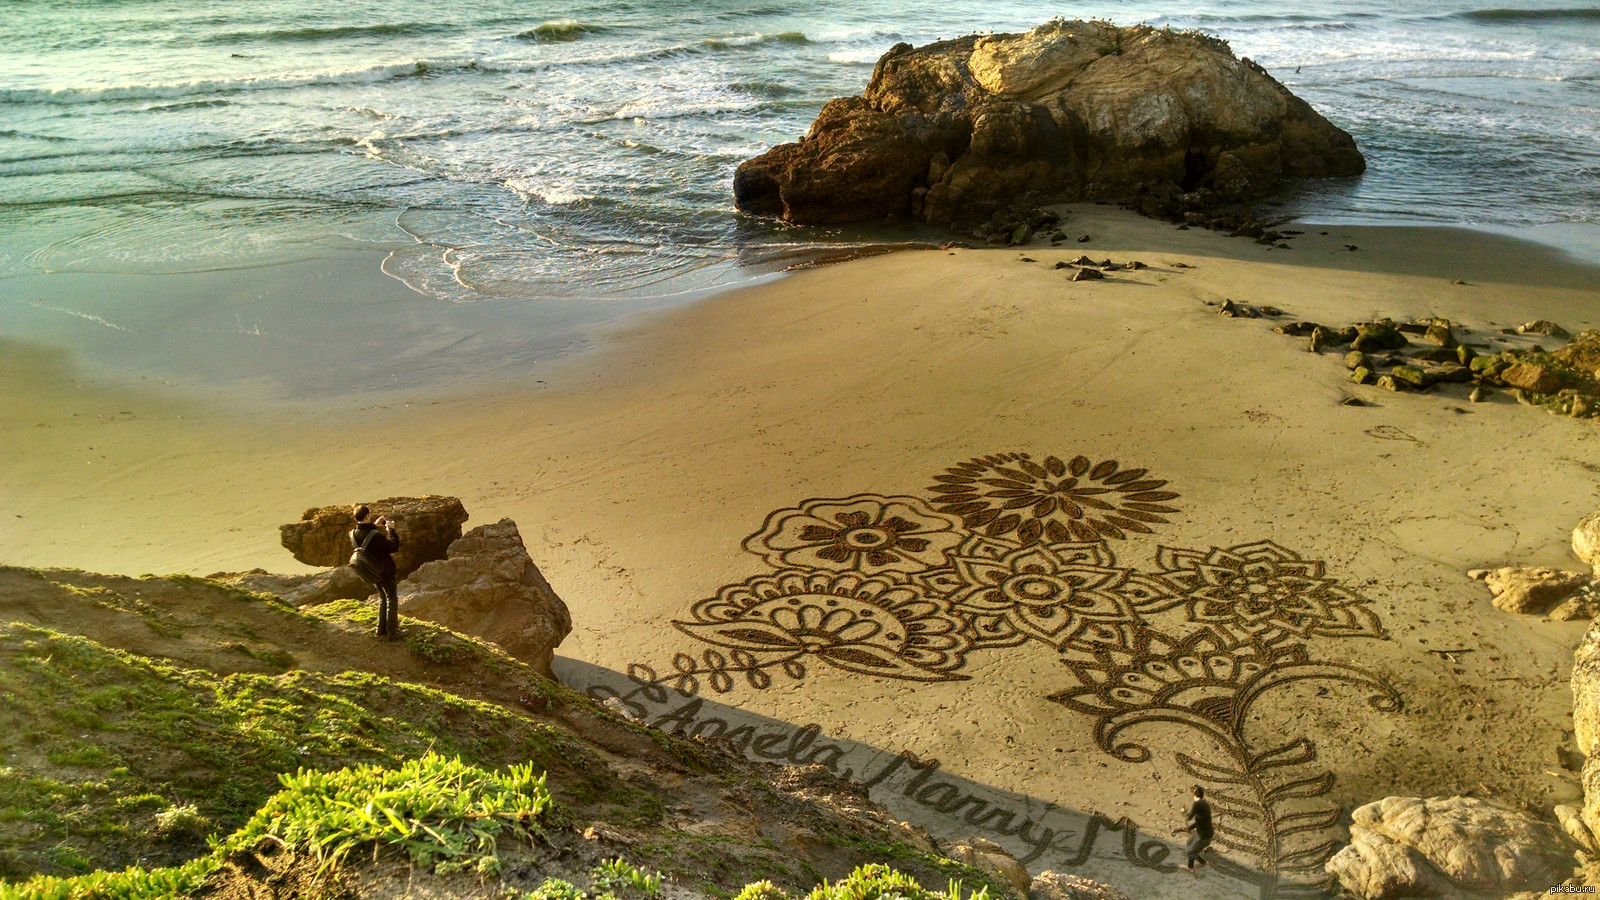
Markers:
75,314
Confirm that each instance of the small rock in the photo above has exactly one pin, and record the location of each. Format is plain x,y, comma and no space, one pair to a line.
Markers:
1378,336
1083,239
1533,590
1271,311
1413,377
1086,275
1353,401
1576,609
1083,261
1363,375
1543,327
1531,377
1063,265
1355,359
1021,235
1478,394
1135,264
1111,267
1236,310
1026,259
1440,335
1388,383
1351,247
618,708
1465,355
1450,373
1296,329
1582,407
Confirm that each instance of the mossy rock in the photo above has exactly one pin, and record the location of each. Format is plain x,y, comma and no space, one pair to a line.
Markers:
1440,335
1378,336
1355,359
1413,377
1361,375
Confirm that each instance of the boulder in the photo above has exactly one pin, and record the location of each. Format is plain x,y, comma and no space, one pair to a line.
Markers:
1585,681
1531,377
1533,590
489,587
1440,335
1069,111
1050,885
426,526
1586,541
1416,847
1412,376
993,858
339,583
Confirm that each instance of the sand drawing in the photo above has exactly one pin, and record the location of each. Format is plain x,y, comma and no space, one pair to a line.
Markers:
1010,549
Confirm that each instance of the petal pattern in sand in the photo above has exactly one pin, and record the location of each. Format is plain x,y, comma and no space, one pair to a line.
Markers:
864,533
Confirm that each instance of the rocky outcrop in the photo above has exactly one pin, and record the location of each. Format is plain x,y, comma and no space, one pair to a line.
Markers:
1049,885
1069,111
1586,541
489,587
1414,847
1533,590
993,858
427,525
340,583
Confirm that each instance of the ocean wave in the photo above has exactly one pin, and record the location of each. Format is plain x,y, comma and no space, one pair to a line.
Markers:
1513,16
331,33
756,40
68,96
865,56
563,30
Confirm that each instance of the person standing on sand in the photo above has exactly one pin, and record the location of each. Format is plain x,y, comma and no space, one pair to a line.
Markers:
1199,829
381,545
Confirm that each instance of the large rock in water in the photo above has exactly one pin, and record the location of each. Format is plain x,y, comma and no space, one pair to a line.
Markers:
490,588
427,525
1413,847
1069,111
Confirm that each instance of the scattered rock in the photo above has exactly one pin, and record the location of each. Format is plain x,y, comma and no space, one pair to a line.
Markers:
1237,310
1543,327
1363,375
1083,260
489,587
1531,377
1479,394
1378,336
1412,847
1087,275
1050,885
1533,590
426,525
1026,259
1083,239
1579,608
1162,119
1440,335
1449,373
1413,377
1063,264
1571,819
1356,359
1136,265
1388,383
993,858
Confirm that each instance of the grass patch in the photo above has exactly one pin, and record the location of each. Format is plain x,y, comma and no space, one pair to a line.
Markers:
442,813
84,728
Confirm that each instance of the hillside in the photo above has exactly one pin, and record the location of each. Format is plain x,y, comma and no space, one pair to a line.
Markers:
144,717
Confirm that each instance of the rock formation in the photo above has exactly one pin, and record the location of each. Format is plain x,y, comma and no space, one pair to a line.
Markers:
1049,885
1533,590
993,858
341,583
1069,111
1586,541
1414,847
489,587
426,524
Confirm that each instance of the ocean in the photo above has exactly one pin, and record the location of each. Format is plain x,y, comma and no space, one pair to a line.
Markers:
532,151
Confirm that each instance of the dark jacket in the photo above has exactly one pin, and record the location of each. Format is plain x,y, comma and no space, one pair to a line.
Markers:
1200,818
381,548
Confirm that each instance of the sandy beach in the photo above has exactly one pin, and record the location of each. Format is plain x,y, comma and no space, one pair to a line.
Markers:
638,471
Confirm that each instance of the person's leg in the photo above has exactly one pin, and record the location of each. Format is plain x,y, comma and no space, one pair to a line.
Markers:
383,599
1192,849
393,613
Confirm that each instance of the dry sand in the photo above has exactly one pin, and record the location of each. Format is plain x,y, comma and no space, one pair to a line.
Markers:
636,472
